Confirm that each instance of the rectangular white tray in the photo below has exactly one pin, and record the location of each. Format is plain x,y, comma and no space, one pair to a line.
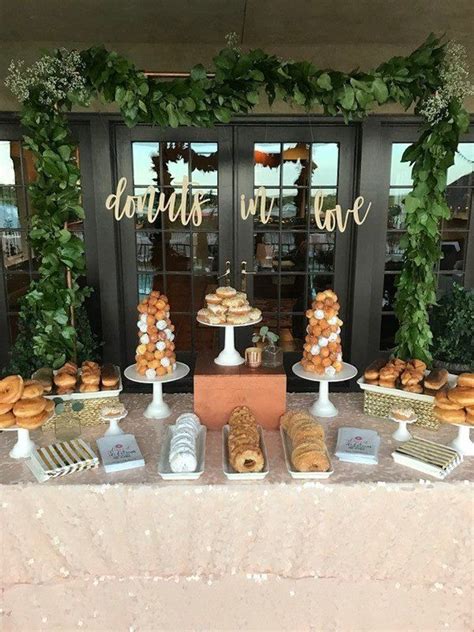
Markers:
95,395
242,476
419,397
287,449
164,469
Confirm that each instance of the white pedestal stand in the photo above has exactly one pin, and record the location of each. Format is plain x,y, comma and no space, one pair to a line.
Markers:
229,356
157,409
401,433
463,443
323,407
114,428
24,446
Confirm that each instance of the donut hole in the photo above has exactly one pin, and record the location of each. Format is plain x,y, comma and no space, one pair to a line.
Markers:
249,463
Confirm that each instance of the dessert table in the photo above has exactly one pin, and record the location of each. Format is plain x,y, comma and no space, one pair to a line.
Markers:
370,548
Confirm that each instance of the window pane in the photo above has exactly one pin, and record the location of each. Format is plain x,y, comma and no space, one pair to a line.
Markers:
17,285
462,172
204,161
389,291
267,164
400,172
205,252
393,252
10,163
318,283
179,292
271,209
147,283
266,251
266,292
446,282
388,329
178,251
459,201
325,163
203,285
145,163
12,207
294,206
292,331
175,160
329,202
149,251
183,330
452,246
396,209
296,164
321,252
209,207
15,250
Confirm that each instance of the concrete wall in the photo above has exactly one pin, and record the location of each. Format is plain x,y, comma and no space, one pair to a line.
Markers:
181,57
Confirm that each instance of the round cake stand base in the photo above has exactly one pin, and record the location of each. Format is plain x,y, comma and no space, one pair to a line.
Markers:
24,446
463,443
229,356
114,428
323,407
401,433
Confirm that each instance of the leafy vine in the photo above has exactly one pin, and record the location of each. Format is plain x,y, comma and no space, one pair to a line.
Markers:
235,86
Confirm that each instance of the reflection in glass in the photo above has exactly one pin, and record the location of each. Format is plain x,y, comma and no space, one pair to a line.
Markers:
292,332
183,330
393,252
266,249
14,246
148,282
9,151
17,286
452,247
400,172
202,285
205,252
388,329
389,291
179,292
209,208
144,170
462,172
321,252
293,208
267,159
149,251
9,211
396,209
296,164
266,292
272,201
446,282
459,201
13,326
204,163
325,164
175,160
329,202
178,251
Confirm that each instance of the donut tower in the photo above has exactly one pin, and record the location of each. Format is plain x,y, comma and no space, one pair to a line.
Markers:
322,349
155,355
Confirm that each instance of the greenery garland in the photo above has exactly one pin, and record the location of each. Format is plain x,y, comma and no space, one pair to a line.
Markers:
50,88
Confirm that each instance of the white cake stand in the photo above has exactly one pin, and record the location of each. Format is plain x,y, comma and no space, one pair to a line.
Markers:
402,433
229,356
463,443
114,428
157,409
323,407
24,446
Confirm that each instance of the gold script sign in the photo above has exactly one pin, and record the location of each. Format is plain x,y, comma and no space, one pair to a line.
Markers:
328,219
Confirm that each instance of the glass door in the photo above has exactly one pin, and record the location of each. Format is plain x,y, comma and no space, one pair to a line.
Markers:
183,261
289,257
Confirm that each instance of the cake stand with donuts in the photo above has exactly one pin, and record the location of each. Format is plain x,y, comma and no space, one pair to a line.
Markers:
228,308
158,408
323,407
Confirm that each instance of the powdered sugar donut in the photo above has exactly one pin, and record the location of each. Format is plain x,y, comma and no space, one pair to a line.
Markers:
315,350
165,362
143,318
161,325
323,342
319,314
333,321
145,339
161,345
169,335
183,462
142,327
332,337
330,370
150,373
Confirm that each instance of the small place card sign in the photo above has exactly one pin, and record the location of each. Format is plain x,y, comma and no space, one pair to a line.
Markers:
328,219
120,452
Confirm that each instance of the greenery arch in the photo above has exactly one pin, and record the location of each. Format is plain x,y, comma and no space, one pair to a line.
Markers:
432,79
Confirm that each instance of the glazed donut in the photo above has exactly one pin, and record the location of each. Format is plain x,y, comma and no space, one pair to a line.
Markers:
249,460
310,460
31,423
5,408
63,379
88,387
11,389
69,367
441,401
31,389
90,378
466,379
226,292
7,420
29,407
450,416
462,395
212,299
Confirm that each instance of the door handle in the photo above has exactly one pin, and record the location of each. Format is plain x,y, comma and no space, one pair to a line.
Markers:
226,274
243,275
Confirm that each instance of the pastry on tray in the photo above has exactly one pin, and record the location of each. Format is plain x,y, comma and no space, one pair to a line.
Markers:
322,349
245,454
227,306
309,452
155,353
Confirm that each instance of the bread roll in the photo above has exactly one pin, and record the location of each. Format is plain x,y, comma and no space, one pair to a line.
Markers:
372,371
466,379
450,416
461,395
436,379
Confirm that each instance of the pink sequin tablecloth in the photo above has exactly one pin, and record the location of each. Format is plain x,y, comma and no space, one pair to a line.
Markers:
372,548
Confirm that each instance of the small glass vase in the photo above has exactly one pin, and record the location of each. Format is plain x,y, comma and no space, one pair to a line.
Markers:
272,356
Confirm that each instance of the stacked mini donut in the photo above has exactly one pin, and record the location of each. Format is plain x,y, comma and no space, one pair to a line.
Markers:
456,405
322,351
183,443
227,306
22,403
155,355
309,452
245,454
